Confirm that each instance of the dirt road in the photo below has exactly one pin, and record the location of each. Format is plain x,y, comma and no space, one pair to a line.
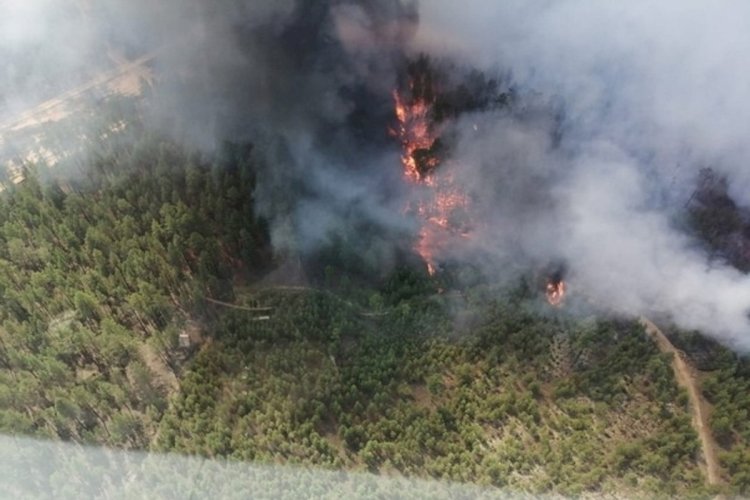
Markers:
55,109
687,380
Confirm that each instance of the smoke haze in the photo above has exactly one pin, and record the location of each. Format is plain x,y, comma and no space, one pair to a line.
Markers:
620,106
651,94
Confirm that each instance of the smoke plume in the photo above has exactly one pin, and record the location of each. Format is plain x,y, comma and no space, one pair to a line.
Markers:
615,109
650,94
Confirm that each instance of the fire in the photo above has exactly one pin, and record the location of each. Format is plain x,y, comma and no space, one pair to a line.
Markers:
555,292
443,198
415,135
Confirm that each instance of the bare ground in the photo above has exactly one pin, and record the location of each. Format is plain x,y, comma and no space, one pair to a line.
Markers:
123,79
164,375
687,379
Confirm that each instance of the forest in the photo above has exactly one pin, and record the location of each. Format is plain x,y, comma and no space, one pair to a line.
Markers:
104,275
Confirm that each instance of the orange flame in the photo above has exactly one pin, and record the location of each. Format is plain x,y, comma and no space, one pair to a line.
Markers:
414,132
555,293
444,198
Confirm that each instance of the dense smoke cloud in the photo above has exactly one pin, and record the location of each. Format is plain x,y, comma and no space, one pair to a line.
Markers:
651,94
620,105
38,57
309,83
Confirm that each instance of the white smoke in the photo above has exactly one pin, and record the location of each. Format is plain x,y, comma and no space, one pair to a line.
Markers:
651,92
646,94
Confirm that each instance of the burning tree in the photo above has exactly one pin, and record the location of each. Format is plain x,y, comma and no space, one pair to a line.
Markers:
423,109
555,292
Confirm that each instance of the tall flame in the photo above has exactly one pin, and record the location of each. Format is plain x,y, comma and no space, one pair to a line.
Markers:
414,133
444,198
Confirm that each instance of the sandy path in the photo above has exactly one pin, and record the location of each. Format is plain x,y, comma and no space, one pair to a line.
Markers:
687,380
54,109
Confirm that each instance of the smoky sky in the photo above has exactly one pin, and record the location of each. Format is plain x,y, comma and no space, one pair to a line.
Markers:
651,93
620,105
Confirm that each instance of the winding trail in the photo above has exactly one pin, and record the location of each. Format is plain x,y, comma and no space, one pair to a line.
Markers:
687,379
235,306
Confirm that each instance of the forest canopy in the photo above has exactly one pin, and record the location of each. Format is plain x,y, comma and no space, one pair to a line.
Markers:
139,311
